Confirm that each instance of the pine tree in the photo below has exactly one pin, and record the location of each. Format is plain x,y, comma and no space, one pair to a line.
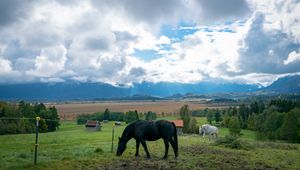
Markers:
217,116
186,117
234,126
210,116
106,115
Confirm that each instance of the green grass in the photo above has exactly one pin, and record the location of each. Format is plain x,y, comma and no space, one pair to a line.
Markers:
72,147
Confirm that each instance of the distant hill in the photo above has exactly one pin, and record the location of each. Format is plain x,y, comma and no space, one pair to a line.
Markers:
101,91
288,84
142,91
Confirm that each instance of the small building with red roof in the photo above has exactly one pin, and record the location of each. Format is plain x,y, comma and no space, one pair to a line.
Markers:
179,125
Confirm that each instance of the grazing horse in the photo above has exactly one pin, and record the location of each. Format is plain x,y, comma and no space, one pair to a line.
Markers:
142,131
207,129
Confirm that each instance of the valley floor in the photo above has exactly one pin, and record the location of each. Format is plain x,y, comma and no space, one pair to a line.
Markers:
72,147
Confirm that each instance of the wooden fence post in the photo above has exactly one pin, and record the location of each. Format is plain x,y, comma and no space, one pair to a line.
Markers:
36,139
112,138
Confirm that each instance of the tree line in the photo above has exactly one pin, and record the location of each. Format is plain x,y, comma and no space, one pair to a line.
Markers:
127,117
279,119
20,118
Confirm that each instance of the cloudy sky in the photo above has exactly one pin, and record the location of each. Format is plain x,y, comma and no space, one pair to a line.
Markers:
130,41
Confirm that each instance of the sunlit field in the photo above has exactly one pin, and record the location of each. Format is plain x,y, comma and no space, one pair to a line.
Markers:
72,147
69,111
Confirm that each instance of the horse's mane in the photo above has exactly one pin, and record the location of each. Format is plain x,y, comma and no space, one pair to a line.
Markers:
128,130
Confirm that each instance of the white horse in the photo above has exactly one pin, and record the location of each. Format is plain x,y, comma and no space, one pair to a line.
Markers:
207,129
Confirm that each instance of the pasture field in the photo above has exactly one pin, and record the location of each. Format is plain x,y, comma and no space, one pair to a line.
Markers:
69,111
72,147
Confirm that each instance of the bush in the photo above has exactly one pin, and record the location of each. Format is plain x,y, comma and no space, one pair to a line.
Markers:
150,115
234,126
232,142
99,150
193,128
81,119
117,116
11,128
131,116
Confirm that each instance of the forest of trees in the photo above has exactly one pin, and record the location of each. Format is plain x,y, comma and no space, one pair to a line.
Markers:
127,117
20,118
278,119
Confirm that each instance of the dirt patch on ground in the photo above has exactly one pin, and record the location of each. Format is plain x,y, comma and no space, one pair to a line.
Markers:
193,157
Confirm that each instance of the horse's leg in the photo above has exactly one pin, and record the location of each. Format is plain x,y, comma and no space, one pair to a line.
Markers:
145,148
137,147
175,149
166,148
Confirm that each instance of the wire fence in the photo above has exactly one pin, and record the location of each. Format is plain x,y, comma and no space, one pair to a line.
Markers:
25,118
43,145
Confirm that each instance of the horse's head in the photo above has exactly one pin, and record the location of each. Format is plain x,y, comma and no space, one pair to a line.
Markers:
121,146
201,131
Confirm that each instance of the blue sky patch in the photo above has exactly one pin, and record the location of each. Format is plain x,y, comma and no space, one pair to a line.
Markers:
146,55
176,32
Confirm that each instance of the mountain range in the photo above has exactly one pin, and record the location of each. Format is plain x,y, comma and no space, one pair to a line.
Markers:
145,90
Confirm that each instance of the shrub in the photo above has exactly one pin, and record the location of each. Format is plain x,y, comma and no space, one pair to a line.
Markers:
232,142
193,128
99,150
11,128
131,116
234,126
150,115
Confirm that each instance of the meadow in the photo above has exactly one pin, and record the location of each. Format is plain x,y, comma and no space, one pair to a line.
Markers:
72,147
69,111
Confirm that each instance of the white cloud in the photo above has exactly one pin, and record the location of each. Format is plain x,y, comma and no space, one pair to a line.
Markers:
50,62
292,57
5,66
96,41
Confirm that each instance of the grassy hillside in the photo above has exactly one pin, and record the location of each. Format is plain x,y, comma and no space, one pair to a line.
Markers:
71,147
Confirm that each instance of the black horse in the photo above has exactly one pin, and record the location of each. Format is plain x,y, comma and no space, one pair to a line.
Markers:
142,130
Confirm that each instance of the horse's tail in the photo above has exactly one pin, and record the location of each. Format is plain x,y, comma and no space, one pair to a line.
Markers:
175,140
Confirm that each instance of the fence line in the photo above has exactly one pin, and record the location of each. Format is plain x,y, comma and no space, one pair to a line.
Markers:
25,118
36,144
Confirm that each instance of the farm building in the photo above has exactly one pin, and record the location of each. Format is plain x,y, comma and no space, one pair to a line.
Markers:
118,123
93,125
179,125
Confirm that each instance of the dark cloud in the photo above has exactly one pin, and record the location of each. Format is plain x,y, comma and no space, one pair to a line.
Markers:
137,71
219,10
150,12
15,51
98,43
265,51
14,10
124,36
